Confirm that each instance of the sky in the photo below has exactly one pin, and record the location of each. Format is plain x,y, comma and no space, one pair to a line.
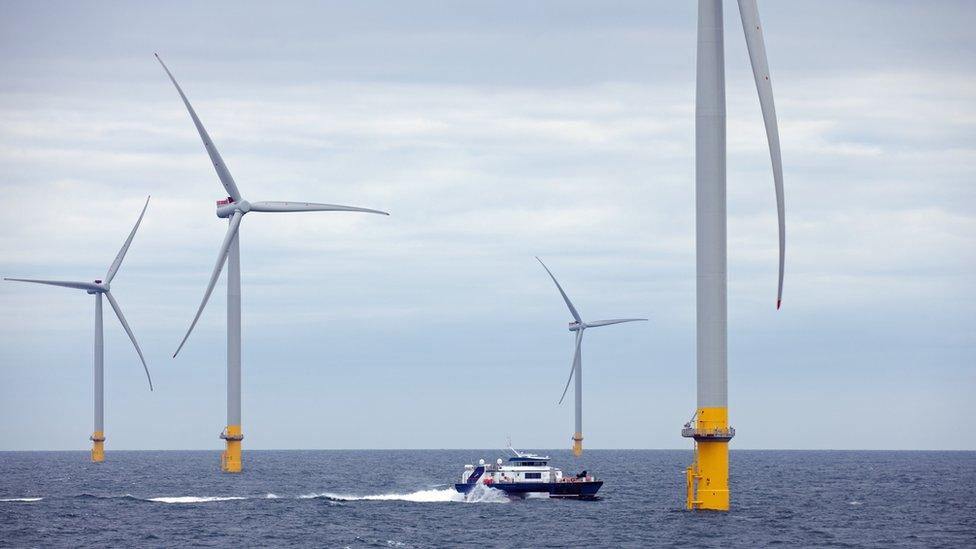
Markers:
493,132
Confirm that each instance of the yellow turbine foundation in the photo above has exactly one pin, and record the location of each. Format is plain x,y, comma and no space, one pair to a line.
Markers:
98,447
708,478
230,459
578,444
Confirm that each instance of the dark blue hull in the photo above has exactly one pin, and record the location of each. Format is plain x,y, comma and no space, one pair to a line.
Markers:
581,490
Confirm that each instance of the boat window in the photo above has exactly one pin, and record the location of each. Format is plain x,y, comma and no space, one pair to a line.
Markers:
533,475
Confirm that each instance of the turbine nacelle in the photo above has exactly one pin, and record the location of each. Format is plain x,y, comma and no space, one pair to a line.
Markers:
227,207
98,287
576,326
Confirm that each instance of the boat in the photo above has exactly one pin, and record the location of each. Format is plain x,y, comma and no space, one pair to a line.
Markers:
526,474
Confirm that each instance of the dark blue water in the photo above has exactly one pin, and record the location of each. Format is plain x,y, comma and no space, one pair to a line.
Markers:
403,499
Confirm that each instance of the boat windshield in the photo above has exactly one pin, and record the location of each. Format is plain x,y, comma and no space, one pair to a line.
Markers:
527,462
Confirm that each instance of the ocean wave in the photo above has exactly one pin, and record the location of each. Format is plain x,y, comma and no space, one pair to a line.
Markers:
176,499
480,494
20,500
96,496
195,499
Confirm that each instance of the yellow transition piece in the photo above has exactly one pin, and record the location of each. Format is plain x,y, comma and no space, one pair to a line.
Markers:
98,447
230,459
578,444
708,478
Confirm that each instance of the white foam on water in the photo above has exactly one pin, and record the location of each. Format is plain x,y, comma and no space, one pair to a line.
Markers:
271,496
480,494
21,500
195,499
855,502
484,494
420,496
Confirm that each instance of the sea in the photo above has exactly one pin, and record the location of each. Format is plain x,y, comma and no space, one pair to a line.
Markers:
405,498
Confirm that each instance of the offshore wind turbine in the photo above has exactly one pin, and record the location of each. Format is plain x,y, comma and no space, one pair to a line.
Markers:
708,478
100,288
579,326
233,208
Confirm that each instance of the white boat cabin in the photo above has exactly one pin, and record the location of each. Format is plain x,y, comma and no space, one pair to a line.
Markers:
520,468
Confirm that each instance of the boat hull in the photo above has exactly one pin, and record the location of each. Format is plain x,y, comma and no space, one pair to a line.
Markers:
579,490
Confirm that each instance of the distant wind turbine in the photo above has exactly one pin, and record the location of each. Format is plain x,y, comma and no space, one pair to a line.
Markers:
234,207
98,288
579,326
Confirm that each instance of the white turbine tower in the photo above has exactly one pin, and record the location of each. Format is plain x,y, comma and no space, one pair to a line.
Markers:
234,207
579,326
98,288
708,478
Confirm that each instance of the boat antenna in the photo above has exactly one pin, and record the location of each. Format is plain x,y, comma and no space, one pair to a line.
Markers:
514,451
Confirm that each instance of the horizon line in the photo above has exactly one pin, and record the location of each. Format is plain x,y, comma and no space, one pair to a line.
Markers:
505,449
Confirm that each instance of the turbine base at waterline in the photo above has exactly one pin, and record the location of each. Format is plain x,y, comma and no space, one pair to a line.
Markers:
98,447
708,476
231,459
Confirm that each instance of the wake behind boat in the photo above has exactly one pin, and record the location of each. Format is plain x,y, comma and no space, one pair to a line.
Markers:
526,474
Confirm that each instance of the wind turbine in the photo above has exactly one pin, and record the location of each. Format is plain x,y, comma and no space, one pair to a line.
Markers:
708,478
98,288
233,208
579,326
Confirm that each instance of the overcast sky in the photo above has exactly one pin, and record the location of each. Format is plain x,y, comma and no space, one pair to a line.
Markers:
492,132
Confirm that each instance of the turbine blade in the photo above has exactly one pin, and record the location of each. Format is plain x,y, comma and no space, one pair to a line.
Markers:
599,323
749,12
225,178
569,303
278,206
114,268
125,326
63,283
235,223
576,360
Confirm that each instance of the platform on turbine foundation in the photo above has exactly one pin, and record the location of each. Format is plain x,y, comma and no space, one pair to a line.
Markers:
225,436
708,435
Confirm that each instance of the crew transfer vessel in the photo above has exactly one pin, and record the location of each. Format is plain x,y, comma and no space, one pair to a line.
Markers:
526,474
